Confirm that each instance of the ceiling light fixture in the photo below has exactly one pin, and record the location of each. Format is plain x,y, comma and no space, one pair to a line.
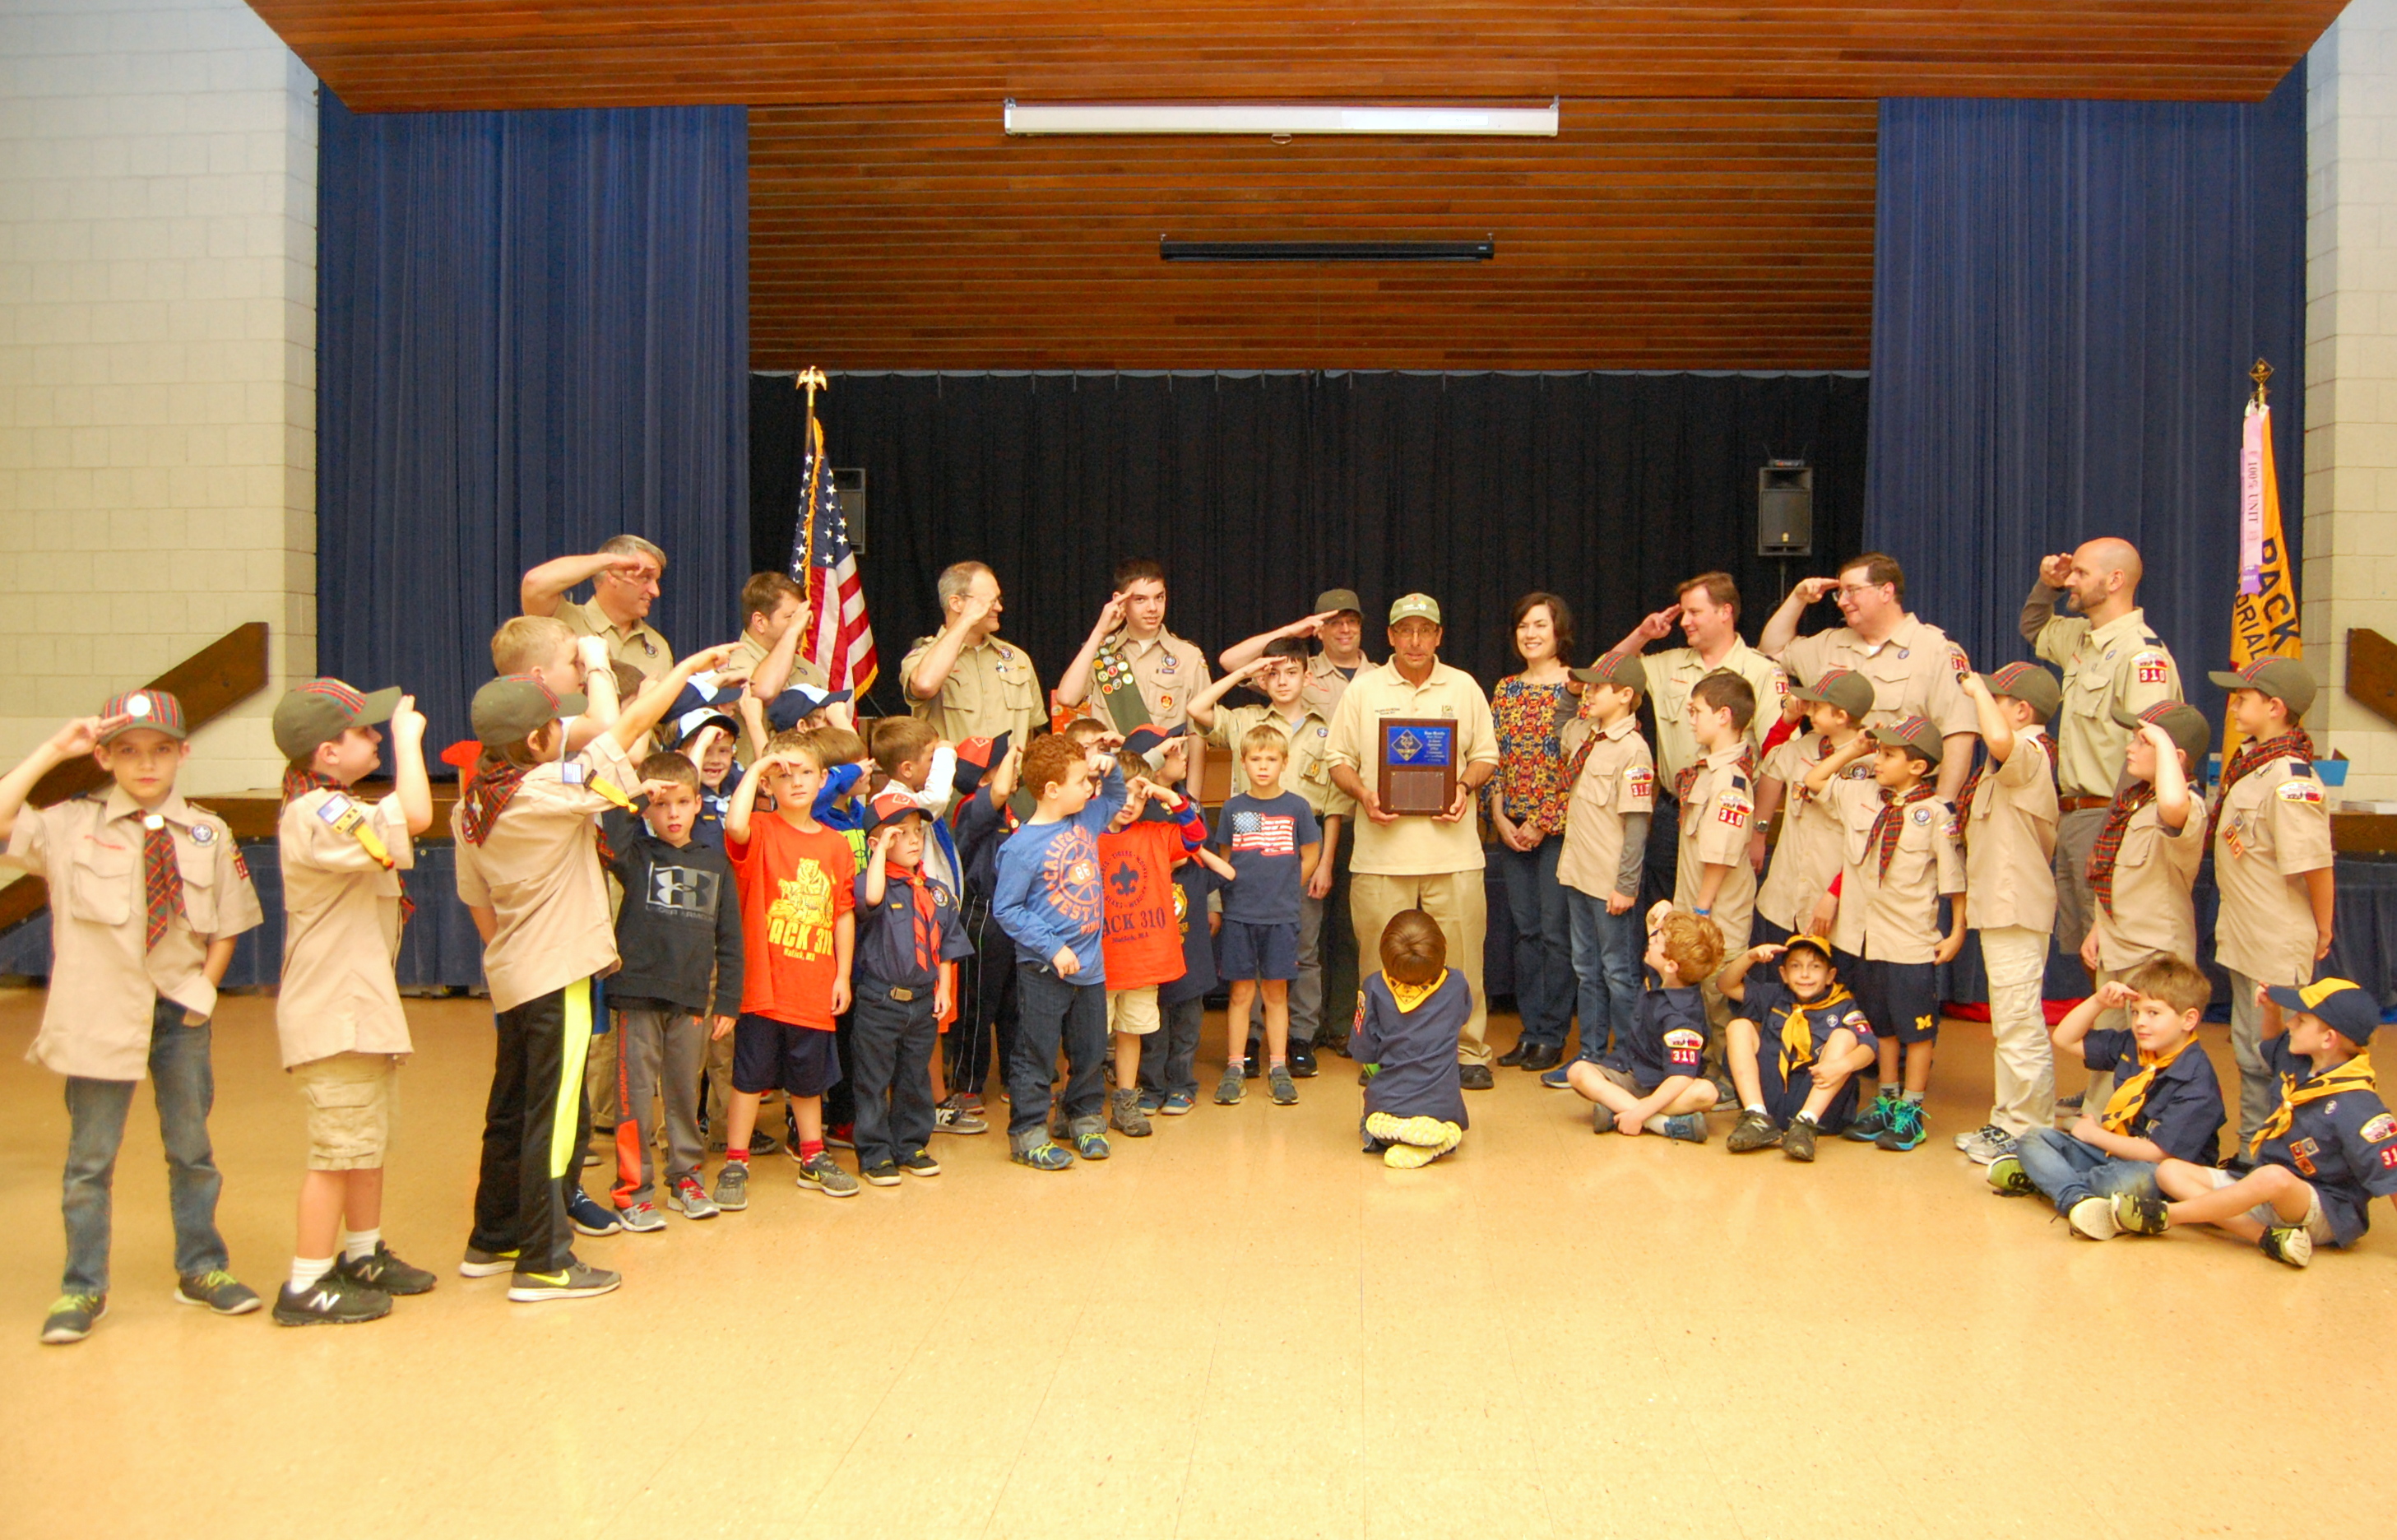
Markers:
1483,250
1278,119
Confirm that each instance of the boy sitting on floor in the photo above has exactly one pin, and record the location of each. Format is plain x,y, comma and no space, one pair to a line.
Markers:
1805,1020
1408,1019
1657,1069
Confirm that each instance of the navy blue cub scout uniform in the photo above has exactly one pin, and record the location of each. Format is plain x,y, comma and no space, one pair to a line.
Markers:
2344,1144
1784,1056
892,1035
1415,1046
2181,1112
1668,1038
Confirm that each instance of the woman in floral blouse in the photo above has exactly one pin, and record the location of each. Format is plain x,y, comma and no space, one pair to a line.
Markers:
1527,806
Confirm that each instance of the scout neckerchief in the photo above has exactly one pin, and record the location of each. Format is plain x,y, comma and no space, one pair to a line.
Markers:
1890,821
1689,776
2354,1075
1119,691
2291,745
2109,840
488,792
1798,1034
1408,996
346,817
162,878
2130,1098
913,877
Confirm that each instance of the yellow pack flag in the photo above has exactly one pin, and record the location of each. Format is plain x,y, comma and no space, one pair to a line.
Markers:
2264,613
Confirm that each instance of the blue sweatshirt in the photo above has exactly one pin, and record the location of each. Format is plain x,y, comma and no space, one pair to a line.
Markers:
1049,894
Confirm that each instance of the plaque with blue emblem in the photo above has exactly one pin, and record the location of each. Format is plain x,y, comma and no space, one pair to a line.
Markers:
1416,764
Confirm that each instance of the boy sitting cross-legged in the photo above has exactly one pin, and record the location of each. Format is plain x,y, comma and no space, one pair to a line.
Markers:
1656,1074
1408,1016
1805,1020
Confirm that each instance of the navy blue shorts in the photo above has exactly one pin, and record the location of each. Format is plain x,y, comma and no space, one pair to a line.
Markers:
1247,951
1901,1000
772,1055
1786,1099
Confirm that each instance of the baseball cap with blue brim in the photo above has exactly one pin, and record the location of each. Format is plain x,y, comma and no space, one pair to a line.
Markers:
2344,1006
975,757
799,701
1149,744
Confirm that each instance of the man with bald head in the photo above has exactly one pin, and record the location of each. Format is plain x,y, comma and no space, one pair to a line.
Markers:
2114,668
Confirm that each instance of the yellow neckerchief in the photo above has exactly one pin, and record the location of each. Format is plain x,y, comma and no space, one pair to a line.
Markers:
1798,1037
2123,1109
1408,996
2354,1075
575,773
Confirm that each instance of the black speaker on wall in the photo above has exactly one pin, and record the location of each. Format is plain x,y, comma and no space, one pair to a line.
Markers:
1785,509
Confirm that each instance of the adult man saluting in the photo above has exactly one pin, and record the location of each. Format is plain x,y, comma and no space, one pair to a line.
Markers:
1338,625
1142,674
2112,663
965,681
1429,862
623,575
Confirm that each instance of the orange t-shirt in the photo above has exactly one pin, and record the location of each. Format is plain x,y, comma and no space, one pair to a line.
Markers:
794,886
1141,943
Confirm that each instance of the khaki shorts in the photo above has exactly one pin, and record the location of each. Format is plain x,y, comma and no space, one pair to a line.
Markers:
1620,1080
1134,1011
2317,1225
351,1099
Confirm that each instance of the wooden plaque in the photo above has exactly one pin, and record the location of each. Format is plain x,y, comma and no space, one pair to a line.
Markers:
1416,760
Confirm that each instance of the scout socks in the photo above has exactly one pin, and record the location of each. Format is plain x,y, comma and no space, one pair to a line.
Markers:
1915,1096
359,1245
307,1271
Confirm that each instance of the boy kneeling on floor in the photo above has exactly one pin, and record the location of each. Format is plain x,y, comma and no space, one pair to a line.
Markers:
1803,1021
1408,1016
1656,1073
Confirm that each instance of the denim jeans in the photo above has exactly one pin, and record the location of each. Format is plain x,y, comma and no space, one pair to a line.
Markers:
1168,1057
1606,963
1054,1011
185,1087
891,1042
2069,1171
1544,971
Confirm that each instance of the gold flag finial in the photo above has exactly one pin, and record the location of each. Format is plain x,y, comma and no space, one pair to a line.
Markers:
2260,374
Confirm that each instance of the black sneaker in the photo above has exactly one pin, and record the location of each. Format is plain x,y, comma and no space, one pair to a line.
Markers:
2288,1243
883,1173
588,1217
579,1281
71,1318
385,1274
1475,1077
219,1290
1755,1131
1254,1065
1302,1062
333,1300
919,1164
761,1142
1798,1139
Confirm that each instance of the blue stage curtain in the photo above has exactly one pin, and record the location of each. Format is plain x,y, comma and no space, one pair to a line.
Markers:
2067,298
534,333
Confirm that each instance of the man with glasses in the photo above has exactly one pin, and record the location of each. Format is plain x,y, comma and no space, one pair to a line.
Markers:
623,576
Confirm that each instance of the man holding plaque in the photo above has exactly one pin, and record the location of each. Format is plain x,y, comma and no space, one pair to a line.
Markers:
1412,743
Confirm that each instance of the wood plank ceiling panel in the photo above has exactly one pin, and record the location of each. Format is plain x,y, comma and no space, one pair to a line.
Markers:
1656,234
422,54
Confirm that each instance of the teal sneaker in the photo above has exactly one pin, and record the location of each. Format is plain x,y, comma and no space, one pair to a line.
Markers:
1872,1123
1905,1129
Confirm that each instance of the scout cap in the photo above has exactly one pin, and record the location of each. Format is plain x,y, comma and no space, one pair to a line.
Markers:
514,707
1415,607
799,701
1815,944
1333,601
1916,735
2284,679
2185,725
1621,669
2342,1005
322,710
889,806
1149,744
153,709
691,721
975,756
1843,687
2031,683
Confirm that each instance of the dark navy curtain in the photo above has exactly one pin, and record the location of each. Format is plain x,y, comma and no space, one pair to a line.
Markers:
2067,298
533,332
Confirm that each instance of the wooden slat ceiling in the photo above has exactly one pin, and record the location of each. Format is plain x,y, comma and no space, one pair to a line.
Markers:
1648,235
404,55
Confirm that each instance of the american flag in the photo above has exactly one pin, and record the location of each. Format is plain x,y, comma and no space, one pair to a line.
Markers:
1265,833
839,639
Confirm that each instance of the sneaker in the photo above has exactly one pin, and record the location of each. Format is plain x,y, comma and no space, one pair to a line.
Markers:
1301,1061
332,1300
219,1290
949,1118
1964,1140
2069,1104
386,1274
1601,1118
1755,1131
1561,1078
1152,1101
1988,1143
1873,1121
2006,1175
2141,1212
1254,1065
1474,1077
1178,1104
971,1100
919,1164
731,1192
2093,1219
841,1136
2288,1243
642,1218
1904,1128
588,1217
1688,1125
762,1143
580,1280
1044,1156
1798,1139
1229,1091
822,1172
1092,1146
71,1318
690,1199
1726,1094
1125,1117
883,1173
1285,1091
482,1264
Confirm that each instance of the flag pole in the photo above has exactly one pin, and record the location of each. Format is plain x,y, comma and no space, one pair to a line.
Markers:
2260,374
811,379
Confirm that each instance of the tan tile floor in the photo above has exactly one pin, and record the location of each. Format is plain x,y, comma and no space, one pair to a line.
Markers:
1242,1326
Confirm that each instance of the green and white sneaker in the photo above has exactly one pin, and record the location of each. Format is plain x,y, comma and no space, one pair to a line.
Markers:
2007,1176
71,1318
823,1172
580,1280
478,1263
2287,1243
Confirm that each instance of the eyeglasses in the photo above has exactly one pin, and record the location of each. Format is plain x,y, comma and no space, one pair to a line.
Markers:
1852,589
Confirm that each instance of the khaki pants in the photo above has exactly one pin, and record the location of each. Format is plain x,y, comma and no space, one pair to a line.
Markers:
2016,959
2259,1090
2076,902
1458,904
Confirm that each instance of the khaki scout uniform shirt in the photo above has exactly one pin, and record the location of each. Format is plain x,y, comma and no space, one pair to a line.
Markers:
1715,821
642,645
538,871
106,979
1618,778
2153,874
1168,671
1673,673
1807,855
2275,829
340,929
2010,841
991,689
1308,772
2120,663
1892,918
1913,672
749,655
1413,846
1325,684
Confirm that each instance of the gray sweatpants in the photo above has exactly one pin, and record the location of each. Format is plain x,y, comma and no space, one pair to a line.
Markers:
659,1054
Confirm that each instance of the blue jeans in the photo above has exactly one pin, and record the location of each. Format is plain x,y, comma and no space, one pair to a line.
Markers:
2069,1171
1606,962
185,1087
1544,971
1053,1013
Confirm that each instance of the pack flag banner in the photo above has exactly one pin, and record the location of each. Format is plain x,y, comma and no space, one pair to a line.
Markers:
2264,612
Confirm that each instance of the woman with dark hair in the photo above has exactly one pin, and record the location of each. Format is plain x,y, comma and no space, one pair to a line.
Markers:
1527,807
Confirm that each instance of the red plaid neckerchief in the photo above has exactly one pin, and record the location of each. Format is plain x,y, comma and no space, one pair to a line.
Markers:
485,796
2109,840
298,784
1689,776
2291,745
1890,821
162,879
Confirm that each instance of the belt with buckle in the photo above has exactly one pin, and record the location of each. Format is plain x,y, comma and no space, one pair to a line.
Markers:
901,995
2083,804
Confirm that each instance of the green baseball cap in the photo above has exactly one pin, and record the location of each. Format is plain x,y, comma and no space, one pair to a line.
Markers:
1843,687
1916,735
1621,669
322,710
2284,679
514,707
1415,607
2185,725
2031,683
1337,600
